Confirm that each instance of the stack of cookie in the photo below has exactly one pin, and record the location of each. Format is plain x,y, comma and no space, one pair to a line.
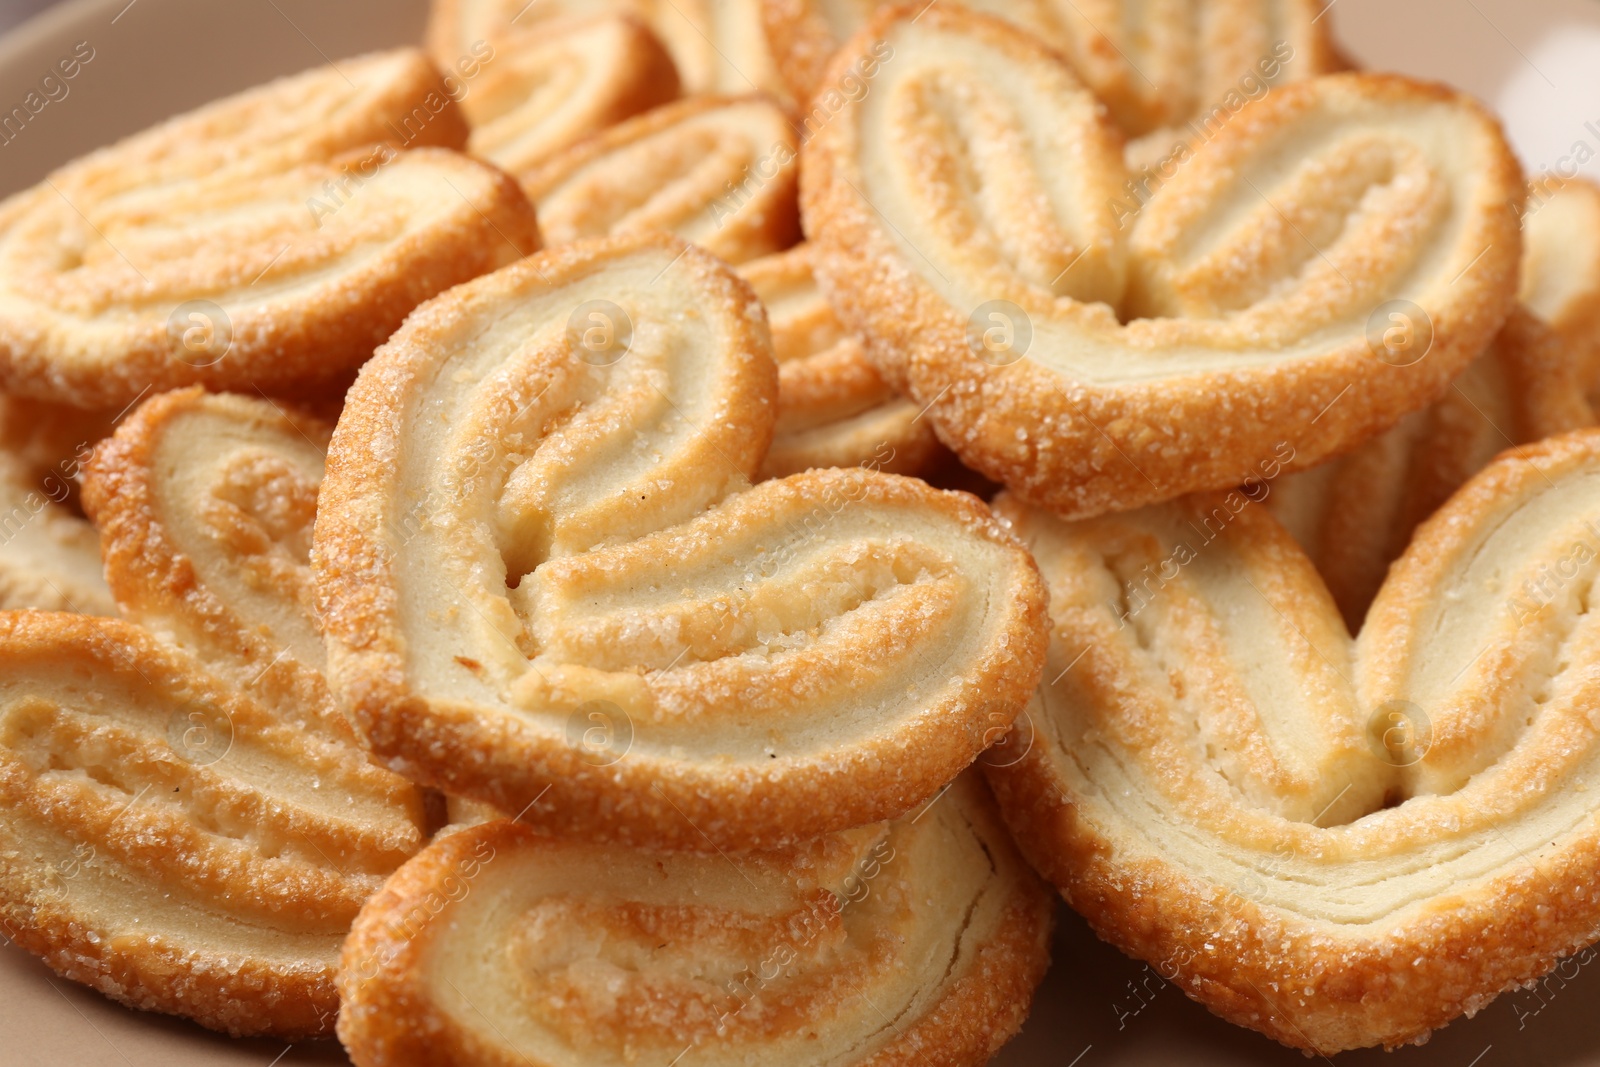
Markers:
489,607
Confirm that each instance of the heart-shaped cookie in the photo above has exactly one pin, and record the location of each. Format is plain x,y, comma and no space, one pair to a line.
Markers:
1336,843
193,831
912,942
547,585
269,240
1311,268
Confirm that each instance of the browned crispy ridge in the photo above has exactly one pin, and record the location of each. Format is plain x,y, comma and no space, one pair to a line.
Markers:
1133,346
1336,843
546,585
480,950
268,240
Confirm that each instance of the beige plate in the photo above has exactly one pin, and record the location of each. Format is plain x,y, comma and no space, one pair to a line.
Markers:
154,58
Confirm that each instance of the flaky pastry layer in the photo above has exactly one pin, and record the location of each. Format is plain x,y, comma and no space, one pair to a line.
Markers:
1155,67
174,843
191,829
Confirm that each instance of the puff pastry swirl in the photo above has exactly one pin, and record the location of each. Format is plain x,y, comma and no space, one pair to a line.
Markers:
547,87
718,171
546,586
268,240
1336,843
173,843
913,942
1256,287
193,831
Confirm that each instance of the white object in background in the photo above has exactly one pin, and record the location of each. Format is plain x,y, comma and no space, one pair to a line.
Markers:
1536,64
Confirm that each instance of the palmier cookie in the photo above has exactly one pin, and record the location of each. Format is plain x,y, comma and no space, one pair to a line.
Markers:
546,585
1155,68
269,240
1336,843
185,836
718,46
973,223
1561,266
717,171
497,946
546,87
1354,515
834,409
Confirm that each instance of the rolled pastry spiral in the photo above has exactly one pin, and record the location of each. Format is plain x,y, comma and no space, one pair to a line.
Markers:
269,240
546,585
192,831
171,842
1336,843
1258,286
546,87
834,408
719,172
1155,68
1354,515
718,46
911,942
